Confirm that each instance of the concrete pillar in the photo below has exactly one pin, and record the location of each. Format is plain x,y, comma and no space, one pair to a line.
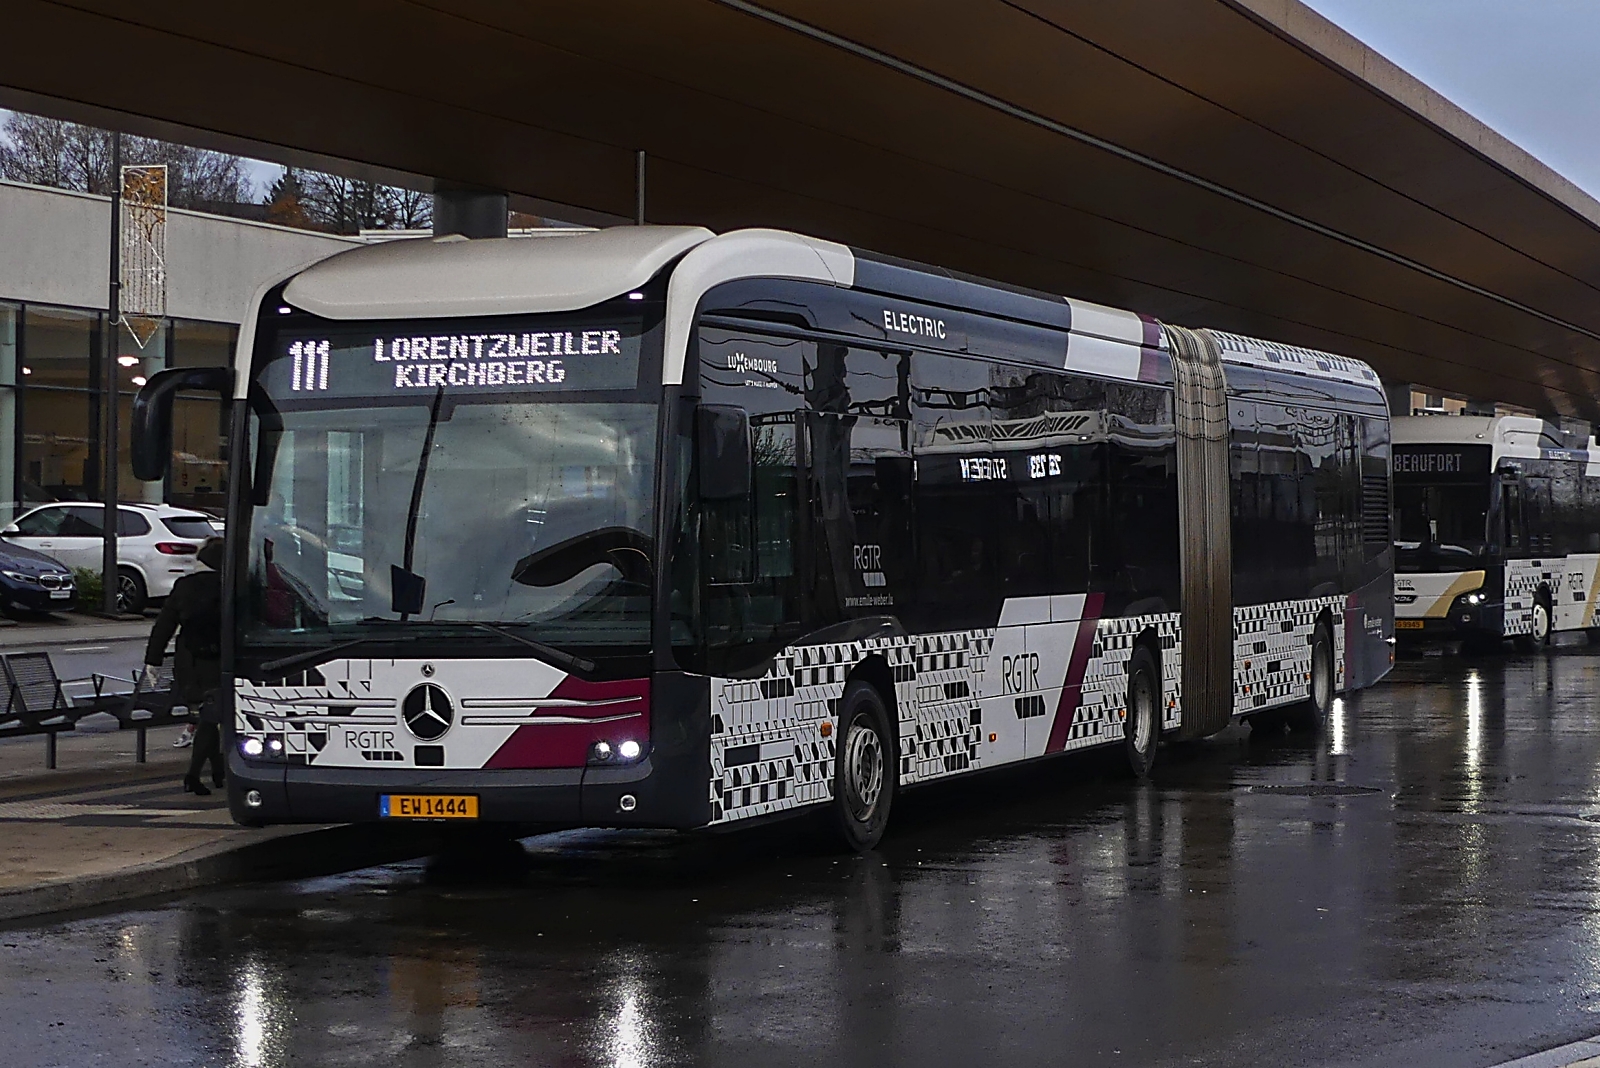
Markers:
468,212
1399,395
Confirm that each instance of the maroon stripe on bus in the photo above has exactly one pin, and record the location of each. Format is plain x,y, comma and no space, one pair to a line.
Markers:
1072,691
566,745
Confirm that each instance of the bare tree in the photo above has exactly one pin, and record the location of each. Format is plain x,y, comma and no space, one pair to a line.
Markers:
410,209
346,205
51,152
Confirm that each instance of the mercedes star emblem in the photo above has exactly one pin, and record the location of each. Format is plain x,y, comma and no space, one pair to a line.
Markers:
427,712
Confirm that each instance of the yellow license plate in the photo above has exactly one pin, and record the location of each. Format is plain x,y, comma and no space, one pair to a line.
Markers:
428,806
1408,624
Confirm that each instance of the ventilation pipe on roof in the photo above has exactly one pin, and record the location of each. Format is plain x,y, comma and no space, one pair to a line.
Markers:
468,212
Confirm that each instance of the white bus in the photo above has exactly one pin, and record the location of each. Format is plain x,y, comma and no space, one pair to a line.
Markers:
655,527
1497,529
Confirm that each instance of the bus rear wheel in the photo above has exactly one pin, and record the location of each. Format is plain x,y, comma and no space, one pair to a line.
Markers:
1141,730
864,767
1312,713
1536,641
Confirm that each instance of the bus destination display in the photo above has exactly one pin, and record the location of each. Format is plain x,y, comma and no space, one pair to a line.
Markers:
600,358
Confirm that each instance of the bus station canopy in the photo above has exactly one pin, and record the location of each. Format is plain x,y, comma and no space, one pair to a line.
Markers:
1239,164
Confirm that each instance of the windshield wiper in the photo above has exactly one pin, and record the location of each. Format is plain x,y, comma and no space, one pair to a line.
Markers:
548,652
315,656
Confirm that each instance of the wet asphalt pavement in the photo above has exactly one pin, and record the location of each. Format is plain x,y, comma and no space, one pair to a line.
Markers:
1419,886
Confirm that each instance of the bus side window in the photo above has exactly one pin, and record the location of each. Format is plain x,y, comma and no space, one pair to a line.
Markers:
863,530
1588,532
960,484
1051,429
1251,507
859,524
1537,518
1511,516
1137,567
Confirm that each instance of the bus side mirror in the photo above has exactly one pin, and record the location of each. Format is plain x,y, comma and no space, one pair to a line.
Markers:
726,468
151,436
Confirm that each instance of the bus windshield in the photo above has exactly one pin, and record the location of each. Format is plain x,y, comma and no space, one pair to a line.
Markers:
435,496
1440,525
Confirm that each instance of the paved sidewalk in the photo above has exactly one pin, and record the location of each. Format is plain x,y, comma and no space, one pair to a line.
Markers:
75,839
102,828
87,754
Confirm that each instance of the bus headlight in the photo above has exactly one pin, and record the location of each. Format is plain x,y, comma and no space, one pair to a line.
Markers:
269,748
623,752
1474,598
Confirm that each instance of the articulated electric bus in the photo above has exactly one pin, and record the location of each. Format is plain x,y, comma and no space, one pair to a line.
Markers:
653,527
1498,529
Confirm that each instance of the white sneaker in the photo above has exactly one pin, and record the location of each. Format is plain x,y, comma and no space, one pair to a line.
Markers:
185,740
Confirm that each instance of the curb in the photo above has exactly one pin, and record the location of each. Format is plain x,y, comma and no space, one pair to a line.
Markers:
291,854
49,636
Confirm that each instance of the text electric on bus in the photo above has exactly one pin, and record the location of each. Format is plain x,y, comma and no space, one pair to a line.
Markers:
655,527
1498,529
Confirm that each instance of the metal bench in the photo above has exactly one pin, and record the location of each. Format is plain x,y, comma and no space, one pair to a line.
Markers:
35,703
143,709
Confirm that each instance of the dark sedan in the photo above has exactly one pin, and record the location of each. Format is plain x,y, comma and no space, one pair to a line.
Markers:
33,581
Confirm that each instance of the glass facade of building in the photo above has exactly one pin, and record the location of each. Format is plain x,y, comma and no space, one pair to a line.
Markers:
50,404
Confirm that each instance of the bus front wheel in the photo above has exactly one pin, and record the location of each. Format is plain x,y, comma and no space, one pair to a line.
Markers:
1533,643
864,767
1141,730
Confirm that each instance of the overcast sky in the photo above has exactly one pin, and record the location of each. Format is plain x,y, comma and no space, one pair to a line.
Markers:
1528,68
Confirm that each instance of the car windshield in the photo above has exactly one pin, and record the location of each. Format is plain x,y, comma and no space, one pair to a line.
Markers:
426,512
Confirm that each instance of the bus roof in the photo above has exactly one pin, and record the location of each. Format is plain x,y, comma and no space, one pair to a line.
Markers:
567,271
1523,437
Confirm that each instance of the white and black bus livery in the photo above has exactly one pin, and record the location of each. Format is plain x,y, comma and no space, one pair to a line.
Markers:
1497,529
649,526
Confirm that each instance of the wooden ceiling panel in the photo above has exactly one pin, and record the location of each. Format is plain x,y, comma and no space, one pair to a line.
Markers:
748,120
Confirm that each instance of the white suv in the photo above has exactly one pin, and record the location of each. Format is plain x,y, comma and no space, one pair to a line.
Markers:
156,543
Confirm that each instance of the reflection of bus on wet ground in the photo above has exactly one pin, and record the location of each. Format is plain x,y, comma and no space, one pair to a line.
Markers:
655,527
1498,530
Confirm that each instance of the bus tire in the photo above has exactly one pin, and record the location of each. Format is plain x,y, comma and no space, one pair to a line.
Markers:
1536,642
1311,714
1141,728
1593,635
864,776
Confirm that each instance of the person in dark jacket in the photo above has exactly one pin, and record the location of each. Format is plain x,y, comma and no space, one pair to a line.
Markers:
194,612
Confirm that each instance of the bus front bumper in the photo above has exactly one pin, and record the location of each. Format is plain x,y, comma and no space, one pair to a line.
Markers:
1462,621
636,795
